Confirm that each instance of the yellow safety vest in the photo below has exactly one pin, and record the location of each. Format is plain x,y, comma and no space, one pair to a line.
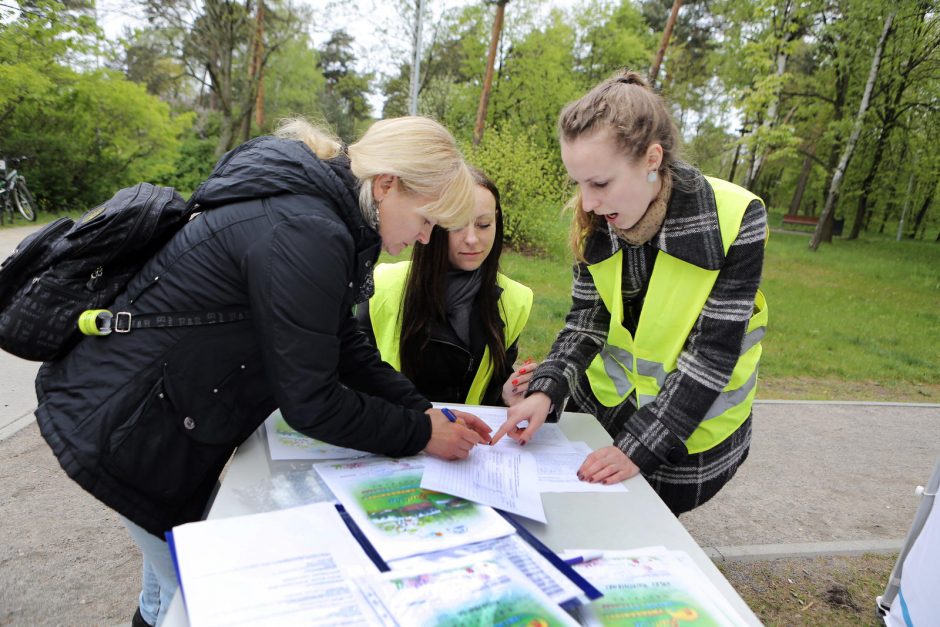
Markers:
515,303
675,298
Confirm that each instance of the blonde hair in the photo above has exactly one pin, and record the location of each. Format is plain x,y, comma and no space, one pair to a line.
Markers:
634,115
322,142
426,160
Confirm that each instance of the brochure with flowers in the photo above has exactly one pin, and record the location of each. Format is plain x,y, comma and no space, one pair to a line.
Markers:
481,591
400,518
652,587
285,443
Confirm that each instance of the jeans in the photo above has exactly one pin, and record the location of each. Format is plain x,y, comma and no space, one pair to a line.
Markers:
159,581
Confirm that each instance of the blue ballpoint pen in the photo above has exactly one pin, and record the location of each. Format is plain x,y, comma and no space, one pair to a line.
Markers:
450,415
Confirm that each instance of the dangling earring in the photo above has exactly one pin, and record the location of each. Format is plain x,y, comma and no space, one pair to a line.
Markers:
651,177
375,213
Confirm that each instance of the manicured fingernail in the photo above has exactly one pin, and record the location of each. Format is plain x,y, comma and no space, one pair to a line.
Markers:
522,371
515,381
522,442
580,476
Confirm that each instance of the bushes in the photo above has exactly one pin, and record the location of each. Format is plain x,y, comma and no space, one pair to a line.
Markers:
531,185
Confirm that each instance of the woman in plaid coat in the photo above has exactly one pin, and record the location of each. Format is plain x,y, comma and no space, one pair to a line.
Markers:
663,337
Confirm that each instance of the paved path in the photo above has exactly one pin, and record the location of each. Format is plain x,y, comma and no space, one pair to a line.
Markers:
17,395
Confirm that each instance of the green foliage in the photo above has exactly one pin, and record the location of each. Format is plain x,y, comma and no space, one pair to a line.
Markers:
343,102
36,44
95,134
535,81
615,37
193,165
530,182
293,82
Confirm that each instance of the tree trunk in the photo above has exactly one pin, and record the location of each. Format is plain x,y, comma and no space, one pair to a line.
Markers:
862,208
907,203
922,212
226,134
797,199
259,67
737,154
825,221
769,120
414,83
664,42
254,77
488,78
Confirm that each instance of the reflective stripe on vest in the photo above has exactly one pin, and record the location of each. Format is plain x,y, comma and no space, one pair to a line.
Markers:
676,295
515,303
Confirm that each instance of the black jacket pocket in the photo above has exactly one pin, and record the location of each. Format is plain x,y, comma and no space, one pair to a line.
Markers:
151,452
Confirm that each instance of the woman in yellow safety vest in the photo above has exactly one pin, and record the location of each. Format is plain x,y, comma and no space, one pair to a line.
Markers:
448,319
663,338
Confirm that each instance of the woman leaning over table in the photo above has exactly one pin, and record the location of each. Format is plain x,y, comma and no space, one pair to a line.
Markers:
448,319
663,338
288,232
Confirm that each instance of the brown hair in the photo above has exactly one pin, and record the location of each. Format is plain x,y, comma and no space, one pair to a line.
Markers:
636,117
425,298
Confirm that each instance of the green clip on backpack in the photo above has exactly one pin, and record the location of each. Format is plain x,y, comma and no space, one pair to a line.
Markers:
68,267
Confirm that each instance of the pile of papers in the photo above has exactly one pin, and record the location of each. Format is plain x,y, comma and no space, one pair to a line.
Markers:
652,586
416,541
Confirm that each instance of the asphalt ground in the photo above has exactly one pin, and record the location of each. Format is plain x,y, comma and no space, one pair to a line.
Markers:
822,478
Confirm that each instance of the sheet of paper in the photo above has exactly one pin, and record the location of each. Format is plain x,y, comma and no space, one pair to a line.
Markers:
477,592
653,586
285,443
399,516
506,478
278,567
557,458
555,584
549,434
558,469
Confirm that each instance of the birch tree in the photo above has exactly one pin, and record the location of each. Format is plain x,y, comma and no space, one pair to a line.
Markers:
824,227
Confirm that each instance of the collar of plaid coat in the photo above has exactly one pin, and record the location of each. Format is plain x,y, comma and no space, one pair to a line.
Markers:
690,231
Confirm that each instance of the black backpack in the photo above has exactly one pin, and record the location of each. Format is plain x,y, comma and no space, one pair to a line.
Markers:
68,267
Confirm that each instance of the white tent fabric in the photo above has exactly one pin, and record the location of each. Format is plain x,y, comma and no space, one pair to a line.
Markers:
911,598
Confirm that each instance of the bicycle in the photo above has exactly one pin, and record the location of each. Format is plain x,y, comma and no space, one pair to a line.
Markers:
15,194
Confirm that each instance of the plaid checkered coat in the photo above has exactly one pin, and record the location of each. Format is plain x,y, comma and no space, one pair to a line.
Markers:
691,233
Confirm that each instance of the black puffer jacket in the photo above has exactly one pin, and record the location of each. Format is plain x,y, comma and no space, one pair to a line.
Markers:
146,420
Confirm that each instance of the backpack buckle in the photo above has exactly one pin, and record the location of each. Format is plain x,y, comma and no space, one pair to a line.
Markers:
122,322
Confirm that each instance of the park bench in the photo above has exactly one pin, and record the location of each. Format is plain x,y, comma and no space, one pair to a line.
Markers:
804,220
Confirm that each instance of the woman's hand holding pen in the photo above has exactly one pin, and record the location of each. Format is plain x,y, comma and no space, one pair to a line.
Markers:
533,409
518,383
607,465
453,439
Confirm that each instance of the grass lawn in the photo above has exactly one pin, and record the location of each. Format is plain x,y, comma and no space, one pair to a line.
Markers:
856,320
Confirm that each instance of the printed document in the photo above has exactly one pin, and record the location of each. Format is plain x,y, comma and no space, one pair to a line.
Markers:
513,549
506,478
283,567
481,591
400,517
285,443
558,469
652,586
549,434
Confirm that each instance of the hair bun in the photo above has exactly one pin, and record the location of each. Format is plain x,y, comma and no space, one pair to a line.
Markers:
632,79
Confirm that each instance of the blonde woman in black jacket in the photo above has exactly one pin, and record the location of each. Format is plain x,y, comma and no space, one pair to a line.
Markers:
289,230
